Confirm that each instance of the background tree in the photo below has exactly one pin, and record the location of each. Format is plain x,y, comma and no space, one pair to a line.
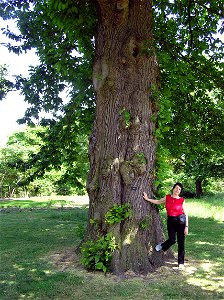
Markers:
19,147
55,154
197,122
126,80
191,106
23,172
5,84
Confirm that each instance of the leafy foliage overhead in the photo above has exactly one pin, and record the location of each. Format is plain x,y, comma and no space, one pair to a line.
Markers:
190,54
5,84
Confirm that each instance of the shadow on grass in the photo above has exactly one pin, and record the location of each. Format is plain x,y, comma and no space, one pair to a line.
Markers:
31,239
204,256
205,239
27,237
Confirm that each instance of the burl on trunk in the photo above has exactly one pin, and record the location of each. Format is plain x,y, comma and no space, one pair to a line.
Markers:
123,144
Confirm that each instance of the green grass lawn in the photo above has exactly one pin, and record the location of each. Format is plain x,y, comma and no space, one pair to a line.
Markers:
38,259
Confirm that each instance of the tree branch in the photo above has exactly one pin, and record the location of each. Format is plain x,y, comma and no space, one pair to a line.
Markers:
219,12
189,20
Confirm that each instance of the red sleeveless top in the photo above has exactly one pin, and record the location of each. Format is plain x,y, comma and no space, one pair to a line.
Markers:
174,207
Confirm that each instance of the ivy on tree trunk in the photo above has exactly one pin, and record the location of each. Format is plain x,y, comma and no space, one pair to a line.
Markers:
123,143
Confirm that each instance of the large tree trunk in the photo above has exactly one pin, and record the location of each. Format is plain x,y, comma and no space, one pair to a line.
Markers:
123,143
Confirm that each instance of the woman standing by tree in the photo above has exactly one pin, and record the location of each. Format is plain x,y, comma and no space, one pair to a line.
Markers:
177,221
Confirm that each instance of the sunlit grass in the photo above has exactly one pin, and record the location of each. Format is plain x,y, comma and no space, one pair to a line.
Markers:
207,207
45,202
38,259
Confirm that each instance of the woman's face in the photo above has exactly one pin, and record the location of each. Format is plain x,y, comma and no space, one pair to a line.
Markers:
177,190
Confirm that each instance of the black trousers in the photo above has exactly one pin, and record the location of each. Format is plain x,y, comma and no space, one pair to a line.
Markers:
175,228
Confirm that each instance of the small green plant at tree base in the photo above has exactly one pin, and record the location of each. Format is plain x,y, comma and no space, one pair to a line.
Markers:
97,255
117,214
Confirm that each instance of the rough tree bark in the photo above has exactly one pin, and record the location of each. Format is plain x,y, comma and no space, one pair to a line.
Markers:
123,144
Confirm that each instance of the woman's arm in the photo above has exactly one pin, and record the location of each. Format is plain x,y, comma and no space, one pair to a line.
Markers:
186,225
186,214
160,201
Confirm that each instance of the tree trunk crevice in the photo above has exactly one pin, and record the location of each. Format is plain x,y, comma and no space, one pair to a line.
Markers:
123,144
